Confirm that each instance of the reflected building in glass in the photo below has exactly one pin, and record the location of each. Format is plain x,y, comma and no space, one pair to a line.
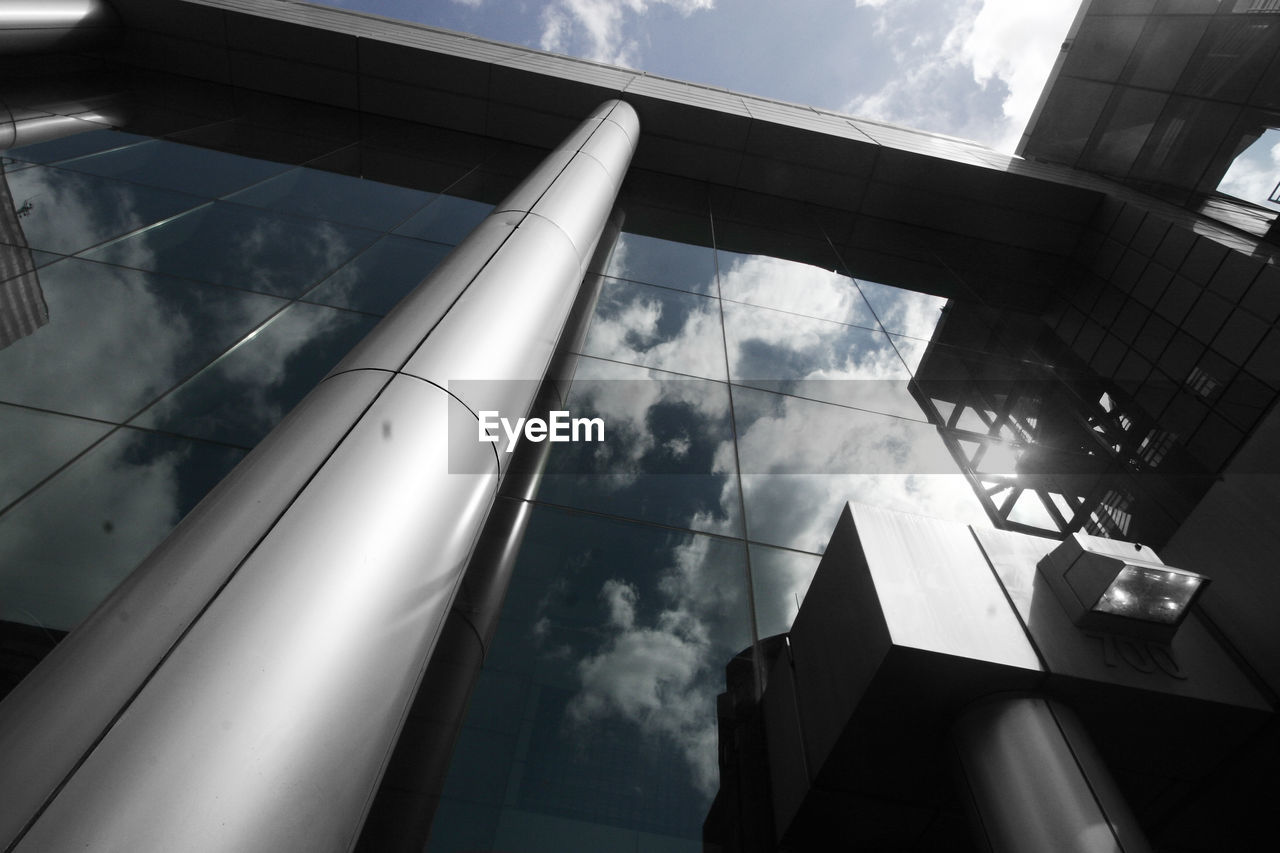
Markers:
218,212
24,309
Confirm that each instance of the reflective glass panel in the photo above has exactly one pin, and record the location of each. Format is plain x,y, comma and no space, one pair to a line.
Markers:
657,327
43,258
381,275
780,579
36,444
23,309
67,212
75,145
903,312
65,547
792,286
118,338
173,166
341,198
667,456
932,359
241,247
447,219
249,139
241,396
664,262
832,362
802,460
614,637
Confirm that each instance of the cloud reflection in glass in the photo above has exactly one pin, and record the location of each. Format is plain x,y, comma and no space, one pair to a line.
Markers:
622,631
657,327
662,459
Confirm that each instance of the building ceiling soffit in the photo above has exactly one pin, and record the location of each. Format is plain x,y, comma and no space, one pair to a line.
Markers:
530,97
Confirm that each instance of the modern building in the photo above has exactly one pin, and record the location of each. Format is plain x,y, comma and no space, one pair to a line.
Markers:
266,632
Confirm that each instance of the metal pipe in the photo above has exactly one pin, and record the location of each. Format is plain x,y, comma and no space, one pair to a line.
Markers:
244,687
400,818
35,110
1036,783
15,132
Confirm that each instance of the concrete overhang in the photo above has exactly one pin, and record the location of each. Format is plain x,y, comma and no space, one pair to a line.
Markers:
378,66
1160,96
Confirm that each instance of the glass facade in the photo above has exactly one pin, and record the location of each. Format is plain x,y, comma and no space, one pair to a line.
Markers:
192,298
752,379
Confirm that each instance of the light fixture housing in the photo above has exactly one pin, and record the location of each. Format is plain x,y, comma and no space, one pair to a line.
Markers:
1120,587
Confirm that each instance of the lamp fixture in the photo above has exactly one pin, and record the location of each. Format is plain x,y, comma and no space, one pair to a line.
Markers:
1120,587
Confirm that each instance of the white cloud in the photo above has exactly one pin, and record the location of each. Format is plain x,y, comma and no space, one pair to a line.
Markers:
663,676
598,29
107,374
793,286
621,599
627,328
1017,43
1254,173
950,79
625,396
794,489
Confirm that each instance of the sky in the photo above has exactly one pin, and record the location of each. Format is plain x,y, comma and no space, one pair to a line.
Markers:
1255,172
967,68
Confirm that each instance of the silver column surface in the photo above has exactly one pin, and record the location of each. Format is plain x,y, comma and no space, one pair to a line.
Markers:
35,26
242,690
400,818
1036,784
63,118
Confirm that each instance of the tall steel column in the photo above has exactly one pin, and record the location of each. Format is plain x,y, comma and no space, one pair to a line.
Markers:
243,689
401,816
1036,783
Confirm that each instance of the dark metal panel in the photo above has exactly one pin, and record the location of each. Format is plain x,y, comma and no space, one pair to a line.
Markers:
292,42
284,76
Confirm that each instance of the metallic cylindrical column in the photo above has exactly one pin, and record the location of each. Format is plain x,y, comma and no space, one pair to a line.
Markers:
401,816
29,130
34,26
243,689
35,110
1036,784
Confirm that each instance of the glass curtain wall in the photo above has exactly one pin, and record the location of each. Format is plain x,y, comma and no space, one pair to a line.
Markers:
185,299
751,382
745,398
